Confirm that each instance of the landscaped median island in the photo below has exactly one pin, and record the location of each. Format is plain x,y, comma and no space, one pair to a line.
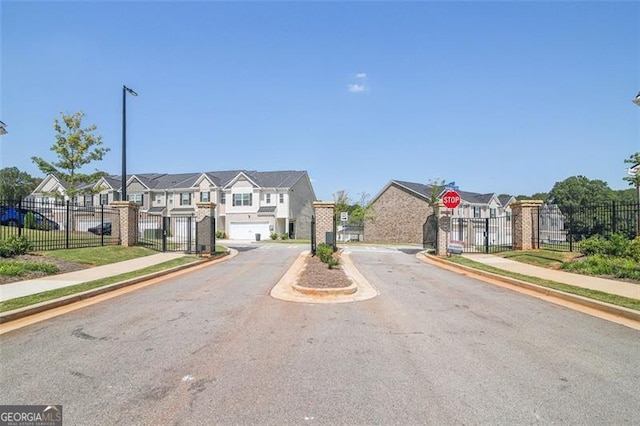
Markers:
77,259
323,270
552,260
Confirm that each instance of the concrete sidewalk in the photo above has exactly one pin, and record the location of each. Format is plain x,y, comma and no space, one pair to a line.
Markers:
619,288
29,287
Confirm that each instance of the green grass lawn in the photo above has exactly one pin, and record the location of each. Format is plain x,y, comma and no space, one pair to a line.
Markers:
546,258
98,256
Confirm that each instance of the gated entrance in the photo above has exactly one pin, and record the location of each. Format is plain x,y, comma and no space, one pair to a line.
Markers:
161,233
482,235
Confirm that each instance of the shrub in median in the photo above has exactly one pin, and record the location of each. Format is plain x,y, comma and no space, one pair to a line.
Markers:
325,253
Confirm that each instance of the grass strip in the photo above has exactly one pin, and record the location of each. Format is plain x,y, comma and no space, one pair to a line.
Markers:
99,256
21,302
566,288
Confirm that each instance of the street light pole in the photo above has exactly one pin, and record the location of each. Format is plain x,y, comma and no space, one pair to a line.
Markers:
125,89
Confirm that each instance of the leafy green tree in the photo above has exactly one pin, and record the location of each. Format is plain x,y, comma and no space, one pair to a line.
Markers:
75,147
580,191
15,184
634,179
361,210
342,200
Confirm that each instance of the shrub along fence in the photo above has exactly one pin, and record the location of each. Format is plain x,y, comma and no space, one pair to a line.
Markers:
59,225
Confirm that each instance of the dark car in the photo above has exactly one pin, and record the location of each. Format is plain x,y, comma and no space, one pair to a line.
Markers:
102,229
25,218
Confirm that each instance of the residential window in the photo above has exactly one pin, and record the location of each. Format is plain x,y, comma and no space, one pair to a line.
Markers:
158,199
88,200
104,199
268,200
136,198
242,199
170,198
281,198
185,198
223,198
476,212
204,196
492,212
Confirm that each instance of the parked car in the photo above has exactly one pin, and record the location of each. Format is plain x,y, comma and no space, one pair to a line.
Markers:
102,229
26,218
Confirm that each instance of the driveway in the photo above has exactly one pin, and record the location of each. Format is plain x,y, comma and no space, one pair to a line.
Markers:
435,347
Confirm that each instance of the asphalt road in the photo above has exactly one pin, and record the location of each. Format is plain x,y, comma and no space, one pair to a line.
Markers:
435,347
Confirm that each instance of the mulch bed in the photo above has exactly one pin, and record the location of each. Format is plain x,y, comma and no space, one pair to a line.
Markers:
318,275
64,266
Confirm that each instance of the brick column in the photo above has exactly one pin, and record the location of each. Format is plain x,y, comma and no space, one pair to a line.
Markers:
525,217
324,211
205,231
128,222
442,213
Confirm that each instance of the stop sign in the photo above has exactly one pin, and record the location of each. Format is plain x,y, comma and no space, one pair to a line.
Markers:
451,199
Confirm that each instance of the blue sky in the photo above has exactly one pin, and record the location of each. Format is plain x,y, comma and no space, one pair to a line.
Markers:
505,97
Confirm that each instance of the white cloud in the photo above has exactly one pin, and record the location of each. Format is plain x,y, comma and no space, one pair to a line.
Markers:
357,88
362,75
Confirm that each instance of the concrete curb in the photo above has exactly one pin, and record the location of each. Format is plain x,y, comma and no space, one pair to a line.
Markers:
574,298
26,311
341,291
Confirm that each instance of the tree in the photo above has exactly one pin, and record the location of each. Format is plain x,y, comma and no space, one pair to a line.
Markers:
15,184
75,147
435,188
634,179
361,210
342,200
580,191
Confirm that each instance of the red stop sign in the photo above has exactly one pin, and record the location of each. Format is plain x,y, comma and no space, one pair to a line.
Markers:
451,199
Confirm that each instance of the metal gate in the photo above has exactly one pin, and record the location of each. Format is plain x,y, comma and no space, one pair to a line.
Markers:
430,232
161,233
482,235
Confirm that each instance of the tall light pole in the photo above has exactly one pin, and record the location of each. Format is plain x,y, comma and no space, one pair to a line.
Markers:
125,89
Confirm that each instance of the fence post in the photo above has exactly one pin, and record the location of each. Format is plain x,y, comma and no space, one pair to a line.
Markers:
486,235
325,221
443,230
570,235
67,226
205,215
128,212
525,223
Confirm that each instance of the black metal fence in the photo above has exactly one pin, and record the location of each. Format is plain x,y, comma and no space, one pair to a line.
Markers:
59,225
172,234
565,228
481,235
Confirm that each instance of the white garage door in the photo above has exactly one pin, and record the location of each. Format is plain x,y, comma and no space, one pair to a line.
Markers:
248,230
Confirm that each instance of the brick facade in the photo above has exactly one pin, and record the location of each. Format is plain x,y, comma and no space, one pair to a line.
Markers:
398,217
